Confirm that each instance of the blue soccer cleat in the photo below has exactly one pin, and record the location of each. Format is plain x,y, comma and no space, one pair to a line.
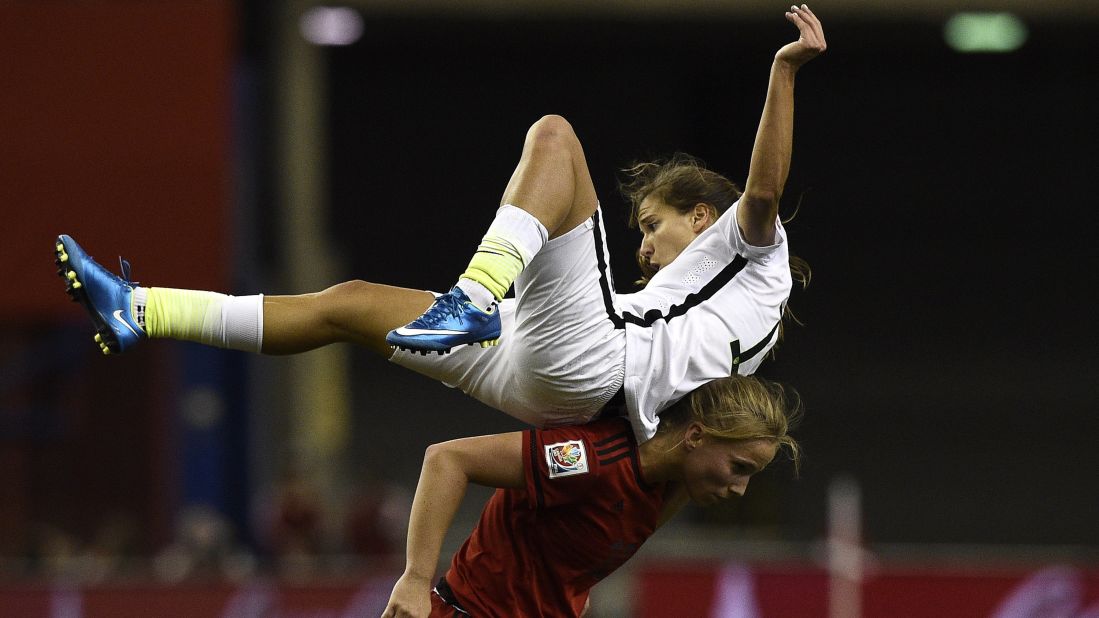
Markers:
451,321
105,296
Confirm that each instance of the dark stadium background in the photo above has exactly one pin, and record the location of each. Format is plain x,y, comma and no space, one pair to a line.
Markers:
944,207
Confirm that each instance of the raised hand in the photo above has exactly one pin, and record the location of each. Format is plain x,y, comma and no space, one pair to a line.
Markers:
810,43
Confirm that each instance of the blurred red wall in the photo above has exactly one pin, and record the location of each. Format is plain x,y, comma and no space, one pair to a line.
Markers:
115,128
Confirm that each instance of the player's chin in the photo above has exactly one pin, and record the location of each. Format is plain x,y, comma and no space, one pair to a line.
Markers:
706,499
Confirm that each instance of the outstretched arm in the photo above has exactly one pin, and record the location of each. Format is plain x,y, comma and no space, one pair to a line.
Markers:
771,153
492,461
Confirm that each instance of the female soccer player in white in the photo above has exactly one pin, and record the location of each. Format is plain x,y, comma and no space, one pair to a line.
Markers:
568,343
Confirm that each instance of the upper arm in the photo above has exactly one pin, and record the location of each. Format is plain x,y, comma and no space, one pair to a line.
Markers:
491,461
756,217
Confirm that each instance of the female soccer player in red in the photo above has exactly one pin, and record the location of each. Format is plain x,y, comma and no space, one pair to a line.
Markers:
576,502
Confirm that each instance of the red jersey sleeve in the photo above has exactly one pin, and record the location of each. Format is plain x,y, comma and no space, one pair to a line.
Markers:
562,464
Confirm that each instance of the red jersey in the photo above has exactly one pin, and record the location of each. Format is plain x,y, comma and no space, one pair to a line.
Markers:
584,511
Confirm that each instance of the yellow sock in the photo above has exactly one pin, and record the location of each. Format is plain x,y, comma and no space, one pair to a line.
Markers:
495,265
181,314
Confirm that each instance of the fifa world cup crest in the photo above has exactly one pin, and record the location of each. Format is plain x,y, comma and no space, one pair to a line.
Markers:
566,458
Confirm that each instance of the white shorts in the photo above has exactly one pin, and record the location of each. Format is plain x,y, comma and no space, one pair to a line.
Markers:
560,359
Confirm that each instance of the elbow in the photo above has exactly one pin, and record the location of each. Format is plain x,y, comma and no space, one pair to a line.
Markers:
756,215
446,458
436,457
761,202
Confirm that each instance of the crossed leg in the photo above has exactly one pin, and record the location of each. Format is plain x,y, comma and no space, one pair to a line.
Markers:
551,182
354,312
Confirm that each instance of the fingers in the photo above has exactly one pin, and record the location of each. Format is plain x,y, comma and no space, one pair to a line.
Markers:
809,26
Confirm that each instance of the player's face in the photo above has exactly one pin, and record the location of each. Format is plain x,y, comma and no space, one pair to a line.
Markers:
666,232
716,469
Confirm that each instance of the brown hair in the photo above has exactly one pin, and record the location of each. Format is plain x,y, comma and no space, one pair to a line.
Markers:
740,408
681,181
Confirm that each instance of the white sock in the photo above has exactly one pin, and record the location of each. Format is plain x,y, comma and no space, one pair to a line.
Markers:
477,293
137,305
513,232
240,325
521,228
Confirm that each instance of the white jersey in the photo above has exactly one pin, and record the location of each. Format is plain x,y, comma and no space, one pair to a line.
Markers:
714,311
569,342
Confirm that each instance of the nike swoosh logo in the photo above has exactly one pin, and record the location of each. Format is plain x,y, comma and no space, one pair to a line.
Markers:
411,332
118,316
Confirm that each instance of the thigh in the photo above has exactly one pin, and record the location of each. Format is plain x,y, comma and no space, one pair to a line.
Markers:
564,316
560,357
501,377
567,290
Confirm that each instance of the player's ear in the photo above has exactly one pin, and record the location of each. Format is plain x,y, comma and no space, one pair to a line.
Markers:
702,217
692,435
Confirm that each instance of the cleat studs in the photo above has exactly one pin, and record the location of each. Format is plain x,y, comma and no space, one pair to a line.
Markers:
98,338
70,275
77,285
62,256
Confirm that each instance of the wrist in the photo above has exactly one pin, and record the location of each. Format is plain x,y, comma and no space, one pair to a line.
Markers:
784,66
415,575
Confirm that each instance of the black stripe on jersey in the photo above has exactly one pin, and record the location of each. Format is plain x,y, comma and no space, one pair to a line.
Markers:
757,348
610,460
617,436
612,444
614,448
653,315
536,469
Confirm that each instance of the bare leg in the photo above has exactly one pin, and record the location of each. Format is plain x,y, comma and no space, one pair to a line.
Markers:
552,181
549,193
355,312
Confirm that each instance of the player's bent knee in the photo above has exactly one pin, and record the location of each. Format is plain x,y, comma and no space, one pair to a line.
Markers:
550,133
355,287
355,293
